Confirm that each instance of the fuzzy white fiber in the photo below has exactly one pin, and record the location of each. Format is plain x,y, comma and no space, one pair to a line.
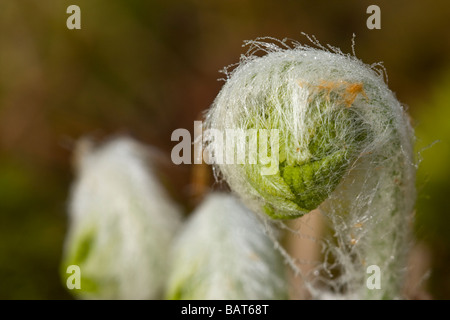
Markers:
121,223
346,147
223,253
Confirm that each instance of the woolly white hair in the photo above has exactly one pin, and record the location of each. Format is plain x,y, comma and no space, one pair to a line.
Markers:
346,147
223,253
121,223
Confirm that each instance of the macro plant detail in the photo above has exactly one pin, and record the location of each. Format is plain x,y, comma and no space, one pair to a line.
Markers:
122,221
223,253
345,147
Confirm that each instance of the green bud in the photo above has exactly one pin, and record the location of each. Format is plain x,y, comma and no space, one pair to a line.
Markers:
121,223
345,147
223,253
318,103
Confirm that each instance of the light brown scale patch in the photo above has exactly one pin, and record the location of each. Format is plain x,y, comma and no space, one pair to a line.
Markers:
353,240
358,225
347,91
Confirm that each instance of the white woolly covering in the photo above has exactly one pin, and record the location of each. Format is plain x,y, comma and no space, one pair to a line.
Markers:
223,253
121,223
301,90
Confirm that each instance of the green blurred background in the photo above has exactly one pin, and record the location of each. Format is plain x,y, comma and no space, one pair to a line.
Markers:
149,67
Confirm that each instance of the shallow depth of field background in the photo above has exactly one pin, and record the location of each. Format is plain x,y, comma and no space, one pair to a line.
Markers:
147,68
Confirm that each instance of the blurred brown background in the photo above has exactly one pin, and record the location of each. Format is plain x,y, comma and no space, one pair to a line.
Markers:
150,67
